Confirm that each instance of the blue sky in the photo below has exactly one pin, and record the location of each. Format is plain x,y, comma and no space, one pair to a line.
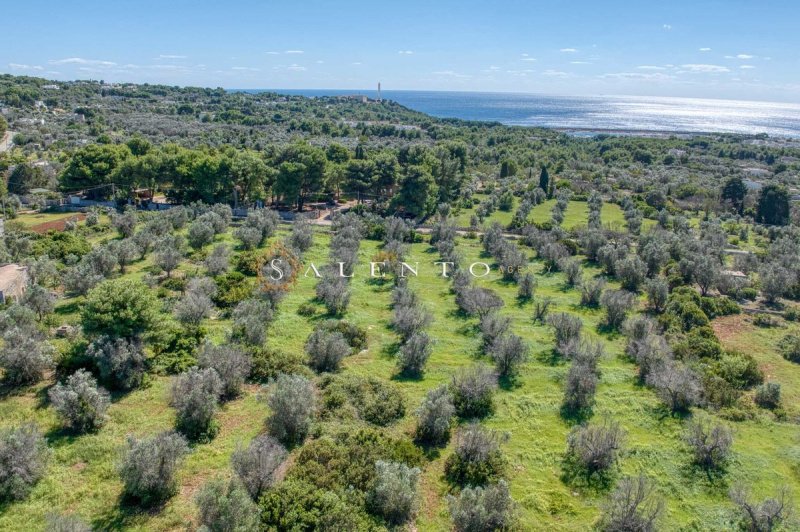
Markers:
716,49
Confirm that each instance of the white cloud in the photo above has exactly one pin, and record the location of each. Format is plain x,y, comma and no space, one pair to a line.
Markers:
451,74
747,67
18,66
171,56
405,52
294,52
569,50
296,68
667,26
639,76
705,49
580,63
700,68
529,59
356,63
555,73
650,67
247,69
272,53
744,56
81,61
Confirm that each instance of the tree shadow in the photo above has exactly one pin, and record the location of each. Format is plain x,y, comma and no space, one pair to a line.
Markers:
509,383
576,476
125,514
574,417
550,357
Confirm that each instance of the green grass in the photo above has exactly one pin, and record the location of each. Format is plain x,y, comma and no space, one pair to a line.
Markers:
81,476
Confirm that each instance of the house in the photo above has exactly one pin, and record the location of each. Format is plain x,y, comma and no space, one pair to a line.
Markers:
13,282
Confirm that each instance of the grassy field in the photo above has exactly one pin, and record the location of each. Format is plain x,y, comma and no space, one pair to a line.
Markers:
81,477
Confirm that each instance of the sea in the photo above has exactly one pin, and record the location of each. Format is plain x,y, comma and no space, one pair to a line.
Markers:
596,114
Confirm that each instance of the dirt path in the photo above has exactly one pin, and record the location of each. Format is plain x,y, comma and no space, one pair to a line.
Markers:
5,142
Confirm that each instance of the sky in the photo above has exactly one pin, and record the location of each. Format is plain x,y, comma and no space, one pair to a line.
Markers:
731,49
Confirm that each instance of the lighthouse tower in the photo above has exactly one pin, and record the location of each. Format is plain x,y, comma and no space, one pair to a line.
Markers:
379,92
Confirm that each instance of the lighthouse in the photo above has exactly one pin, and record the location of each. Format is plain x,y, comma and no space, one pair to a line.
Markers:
379,92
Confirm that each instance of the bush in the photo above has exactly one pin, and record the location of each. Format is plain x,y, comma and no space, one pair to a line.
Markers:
193,308
492,327
394,493
366,398
472,391
710,445
527,286
195,395
478,301
23,357
121,362
579,389
326,349
414,353
768,395
23,460
148,467
477,459
593,449
591,291
257,464
200,233
80,403
434,416
231,364
738,369
218,261
225,506
572,271
657,290
408,320
292,403
617,304
632,507
790,347
120,308
508,351
484,509
356,336
631,271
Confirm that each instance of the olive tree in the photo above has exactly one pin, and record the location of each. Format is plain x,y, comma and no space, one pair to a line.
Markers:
566,328
121,362
434,416
24,357
23,460
257,464
251,318
218,261
334,292
480,508
326,349
617,304
224,505
508,351
292,402
676,385
394,493
148,467
231,364
477,458
414,353
633,506
472,390
710,445
594,449
195,396
80,403
761,516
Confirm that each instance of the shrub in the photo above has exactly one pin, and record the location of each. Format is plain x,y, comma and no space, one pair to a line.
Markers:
193,308
225,506
740,370
594,448
408,320
790,347
486,509
231,364
218,260
23,357
572,271
80,403
292,403
633,506
257,464
631,271
367,398
617,304
676,385
326,349
763,516
121,362
23,460
356,336
200,233
508,352
710,445
541,308
566,328
120,308
657,290
478,301
414,353
768,395
302,237
148,467
472,391
476,459
394,494
195,396
434,416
